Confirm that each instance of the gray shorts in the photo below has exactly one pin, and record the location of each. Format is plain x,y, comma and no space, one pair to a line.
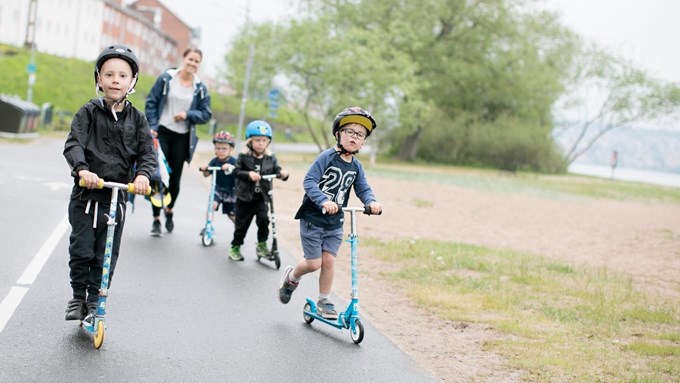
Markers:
316,240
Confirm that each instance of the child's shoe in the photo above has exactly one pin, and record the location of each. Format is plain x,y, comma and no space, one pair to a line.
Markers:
286,286
75,309
156,229
235,253
261,249
326,309
92,307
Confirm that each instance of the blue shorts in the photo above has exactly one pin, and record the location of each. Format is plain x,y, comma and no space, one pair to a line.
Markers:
316,240
227,200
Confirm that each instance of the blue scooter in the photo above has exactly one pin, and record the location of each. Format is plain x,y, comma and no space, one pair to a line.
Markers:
348,319
94,323
209,230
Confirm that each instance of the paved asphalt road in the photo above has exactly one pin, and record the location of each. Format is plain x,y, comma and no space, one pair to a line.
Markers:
177,311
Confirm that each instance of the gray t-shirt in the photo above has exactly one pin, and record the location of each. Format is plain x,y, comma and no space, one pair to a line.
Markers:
179,100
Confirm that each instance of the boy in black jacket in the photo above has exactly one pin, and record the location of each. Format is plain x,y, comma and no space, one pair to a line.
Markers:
108,136
252,195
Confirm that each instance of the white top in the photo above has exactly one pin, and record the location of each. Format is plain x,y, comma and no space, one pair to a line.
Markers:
179,100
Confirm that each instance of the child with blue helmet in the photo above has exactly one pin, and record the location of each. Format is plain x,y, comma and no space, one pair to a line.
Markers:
252,196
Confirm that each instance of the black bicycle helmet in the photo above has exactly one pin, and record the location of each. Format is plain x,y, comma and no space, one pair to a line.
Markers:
356,115
117,51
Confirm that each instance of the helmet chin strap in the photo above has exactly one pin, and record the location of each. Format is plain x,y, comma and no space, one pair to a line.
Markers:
343,151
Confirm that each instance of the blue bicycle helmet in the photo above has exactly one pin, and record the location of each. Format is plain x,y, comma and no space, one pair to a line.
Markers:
258,128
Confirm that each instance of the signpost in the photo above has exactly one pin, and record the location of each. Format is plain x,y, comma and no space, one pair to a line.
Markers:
273,102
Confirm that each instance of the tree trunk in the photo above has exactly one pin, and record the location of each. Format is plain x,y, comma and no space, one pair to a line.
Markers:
409,148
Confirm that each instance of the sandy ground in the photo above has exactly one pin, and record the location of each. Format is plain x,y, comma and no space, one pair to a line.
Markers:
640,239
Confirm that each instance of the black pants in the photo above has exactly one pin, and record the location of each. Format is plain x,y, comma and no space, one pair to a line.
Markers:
175,146
245,211
87,246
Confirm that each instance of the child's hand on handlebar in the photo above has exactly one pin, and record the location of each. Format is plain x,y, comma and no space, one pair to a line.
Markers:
376,207
330,207
89,179
283,174
254,176
228,168
141,184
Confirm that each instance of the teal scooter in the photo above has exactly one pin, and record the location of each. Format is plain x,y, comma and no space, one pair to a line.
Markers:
349,318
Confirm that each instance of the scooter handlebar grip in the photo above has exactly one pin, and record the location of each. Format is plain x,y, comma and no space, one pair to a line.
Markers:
131,189
367,211
100,183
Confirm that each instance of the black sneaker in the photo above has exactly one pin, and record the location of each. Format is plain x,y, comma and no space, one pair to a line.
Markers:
75,309
92,307
286,286
169,225
156,229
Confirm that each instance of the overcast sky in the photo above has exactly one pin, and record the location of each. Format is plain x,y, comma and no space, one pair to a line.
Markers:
642,31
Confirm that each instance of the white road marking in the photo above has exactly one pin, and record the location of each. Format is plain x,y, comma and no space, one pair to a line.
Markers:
17,293
10,303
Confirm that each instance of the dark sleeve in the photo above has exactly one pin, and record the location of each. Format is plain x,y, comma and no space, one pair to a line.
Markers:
203,114
153,115
240,170
147,160
361,187
277,168
313,177
74,147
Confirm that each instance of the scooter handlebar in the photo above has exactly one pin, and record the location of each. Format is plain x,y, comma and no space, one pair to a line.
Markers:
214,168
366,210
130,188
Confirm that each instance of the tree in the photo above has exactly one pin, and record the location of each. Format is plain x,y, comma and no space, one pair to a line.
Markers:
420,64
606,93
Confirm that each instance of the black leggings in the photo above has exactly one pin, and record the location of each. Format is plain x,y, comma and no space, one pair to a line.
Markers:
175,146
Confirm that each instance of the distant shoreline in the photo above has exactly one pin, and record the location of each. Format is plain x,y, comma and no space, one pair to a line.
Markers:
626,174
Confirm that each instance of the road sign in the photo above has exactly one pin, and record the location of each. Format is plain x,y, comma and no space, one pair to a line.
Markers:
273,102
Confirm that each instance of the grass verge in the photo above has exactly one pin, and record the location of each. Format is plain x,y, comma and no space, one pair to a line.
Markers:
564,323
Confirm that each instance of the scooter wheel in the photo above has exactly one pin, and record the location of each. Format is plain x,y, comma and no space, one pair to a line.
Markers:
277,261
308,318
99,335
207,240
357,333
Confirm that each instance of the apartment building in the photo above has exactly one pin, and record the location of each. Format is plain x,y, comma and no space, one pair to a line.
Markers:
81,28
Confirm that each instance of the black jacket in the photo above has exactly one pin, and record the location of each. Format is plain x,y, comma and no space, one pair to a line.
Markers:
108,148
245,188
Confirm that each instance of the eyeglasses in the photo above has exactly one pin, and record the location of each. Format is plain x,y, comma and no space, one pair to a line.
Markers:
222,149
354,133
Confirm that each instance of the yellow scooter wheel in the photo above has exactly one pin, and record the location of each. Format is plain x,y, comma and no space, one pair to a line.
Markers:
99,335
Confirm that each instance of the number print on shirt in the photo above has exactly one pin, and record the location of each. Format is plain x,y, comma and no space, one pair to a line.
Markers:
335,184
